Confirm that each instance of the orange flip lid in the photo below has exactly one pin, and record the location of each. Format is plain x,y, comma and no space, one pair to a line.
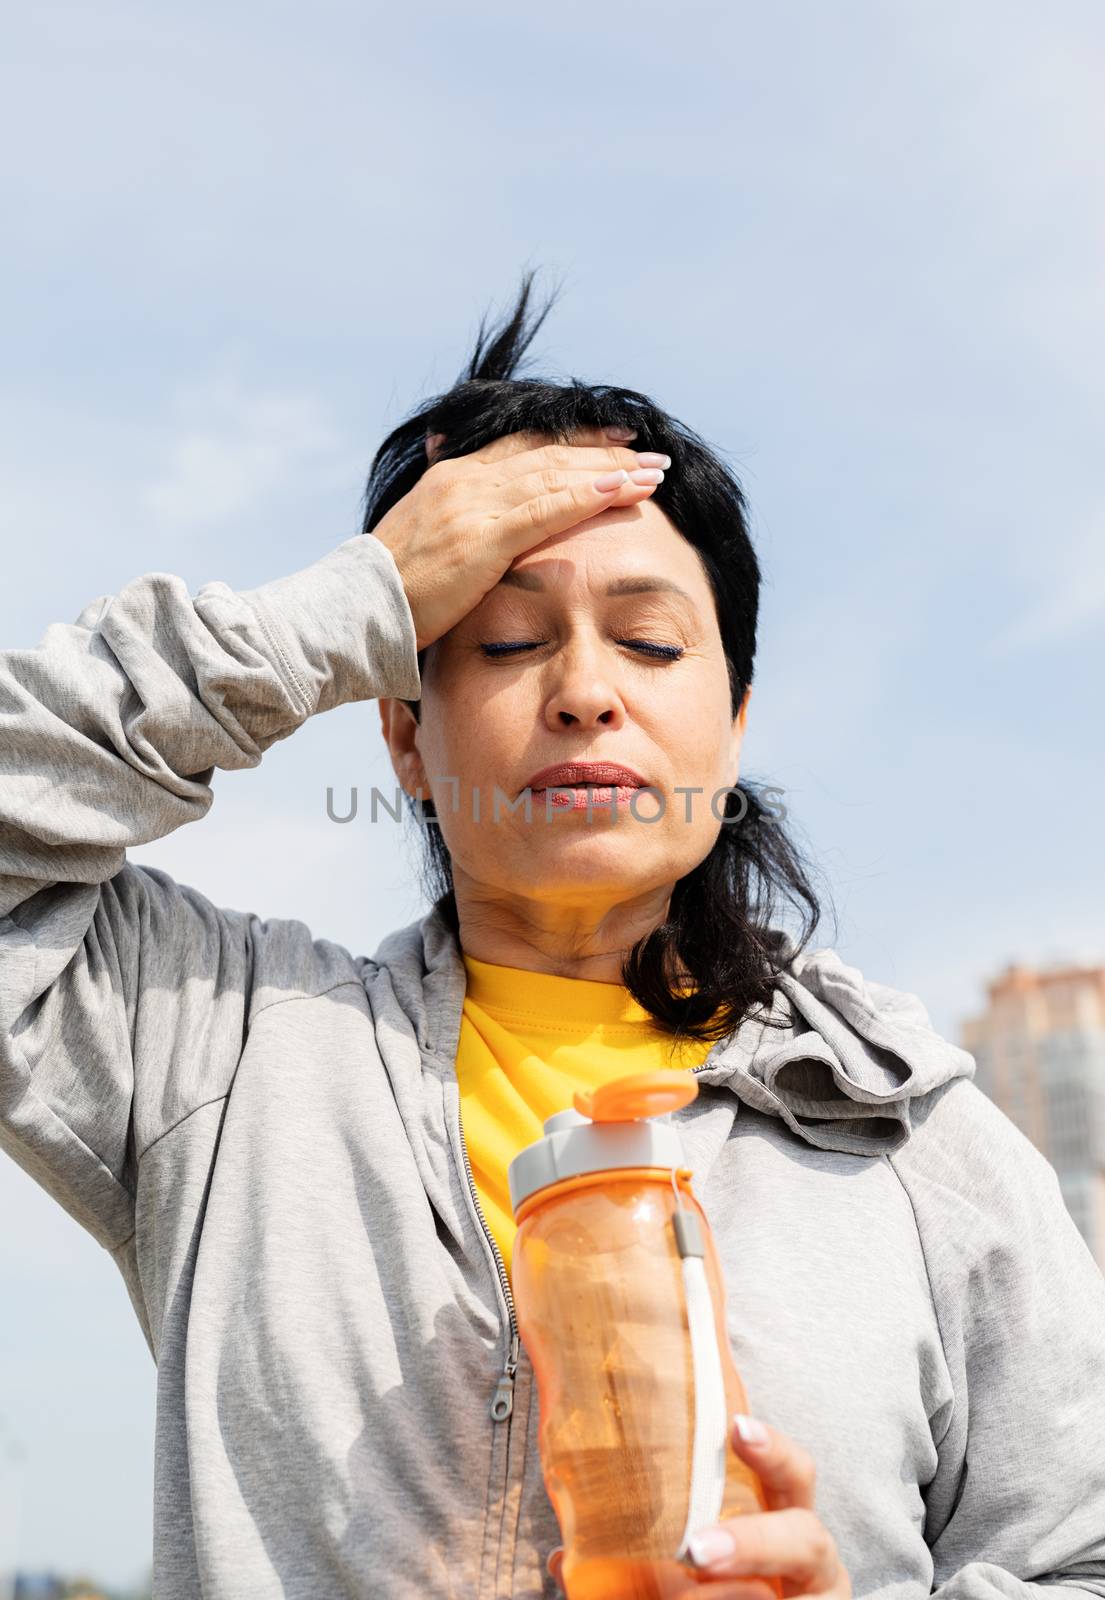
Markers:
640,1094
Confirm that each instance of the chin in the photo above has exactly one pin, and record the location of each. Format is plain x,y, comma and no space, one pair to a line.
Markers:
596,863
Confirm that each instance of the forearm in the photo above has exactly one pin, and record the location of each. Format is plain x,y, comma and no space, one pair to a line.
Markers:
114,725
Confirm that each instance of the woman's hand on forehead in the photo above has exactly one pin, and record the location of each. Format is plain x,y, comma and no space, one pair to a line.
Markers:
469,517
514,444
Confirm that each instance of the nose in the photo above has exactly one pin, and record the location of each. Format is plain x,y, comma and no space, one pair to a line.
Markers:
605,718
584,693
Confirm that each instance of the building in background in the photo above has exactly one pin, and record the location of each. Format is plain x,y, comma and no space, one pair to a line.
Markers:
1040,1049
48,1586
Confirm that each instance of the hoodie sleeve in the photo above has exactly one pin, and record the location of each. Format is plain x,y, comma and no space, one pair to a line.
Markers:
112,729
1017,1504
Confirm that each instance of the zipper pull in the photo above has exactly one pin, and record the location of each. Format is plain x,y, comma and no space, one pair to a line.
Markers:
502,1401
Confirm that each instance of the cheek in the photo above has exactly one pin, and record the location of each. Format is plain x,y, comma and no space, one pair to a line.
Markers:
696,733
463,737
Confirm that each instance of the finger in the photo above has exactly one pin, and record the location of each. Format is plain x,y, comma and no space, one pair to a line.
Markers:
793,1544
572,457
512,444
555,480
598,436
786,1471
536,520
554,1565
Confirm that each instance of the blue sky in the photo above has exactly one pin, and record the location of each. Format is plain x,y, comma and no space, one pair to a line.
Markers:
859,247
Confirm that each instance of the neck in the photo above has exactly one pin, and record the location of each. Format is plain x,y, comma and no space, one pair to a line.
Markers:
585,937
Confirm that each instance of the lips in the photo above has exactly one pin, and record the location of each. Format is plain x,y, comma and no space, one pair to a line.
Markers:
608,774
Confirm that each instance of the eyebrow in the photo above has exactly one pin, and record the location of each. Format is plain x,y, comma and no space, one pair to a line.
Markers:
643,583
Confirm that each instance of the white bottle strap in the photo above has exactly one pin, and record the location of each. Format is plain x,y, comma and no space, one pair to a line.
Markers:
711,1426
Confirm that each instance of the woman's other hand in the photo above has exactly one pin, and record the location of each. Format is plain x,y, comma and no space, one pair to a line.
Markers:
467,518
788,1541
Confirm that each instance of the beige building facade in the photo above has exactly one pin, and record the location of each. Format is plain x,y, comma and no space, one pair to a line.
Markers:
1040,1049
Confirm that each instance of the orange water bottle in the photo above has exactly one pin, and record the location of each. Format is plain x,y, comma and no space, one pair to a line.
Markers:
621,1307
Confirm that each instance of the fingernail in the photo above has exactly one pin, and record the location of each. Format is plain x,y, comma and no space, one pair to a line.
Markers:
750,1429
621,434
647,475
714,1544
653,458
610,481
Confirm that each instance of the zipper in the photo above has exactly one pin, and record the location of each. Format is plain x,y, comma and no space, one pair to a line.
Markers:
502,1400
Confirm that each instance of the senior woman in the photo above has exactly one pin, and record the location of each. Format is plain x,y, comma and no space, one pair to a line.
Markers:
296,1156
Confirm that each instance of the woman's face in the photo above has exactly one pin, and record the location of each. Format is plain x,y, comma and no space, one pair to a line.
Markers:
582,689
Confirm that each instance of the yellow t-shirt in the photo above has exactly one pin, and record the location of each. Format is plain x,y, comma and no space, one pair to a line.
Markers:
528,1040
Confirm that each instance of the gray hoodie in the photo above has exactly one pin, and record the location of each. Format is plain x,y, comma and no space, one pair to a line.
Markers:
263,1131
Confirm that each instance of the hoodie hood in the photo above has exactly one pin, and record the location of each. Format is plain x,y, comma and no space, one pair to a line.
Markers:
838,1058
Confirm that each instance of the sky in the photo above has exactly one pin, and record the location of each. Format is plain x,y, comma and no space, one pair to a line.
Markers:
859,248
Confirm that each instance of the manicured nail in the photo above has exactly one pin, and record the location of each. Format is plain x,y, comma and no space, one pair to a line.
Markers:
647,475
653,458
610,481
623,435
713,1544
751,1431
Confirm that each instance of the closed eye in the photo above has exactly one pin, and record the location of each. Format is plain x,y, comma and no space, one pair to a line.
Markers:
666,652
